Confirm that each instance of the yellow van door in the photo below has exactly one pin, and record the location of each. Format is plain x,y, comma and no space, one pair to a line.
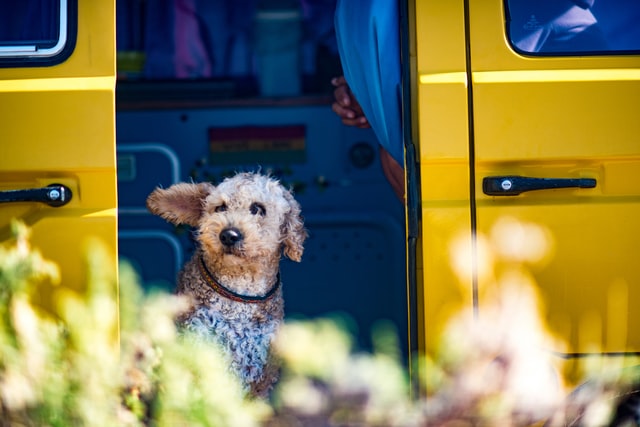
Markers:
57,165
555,141
527,115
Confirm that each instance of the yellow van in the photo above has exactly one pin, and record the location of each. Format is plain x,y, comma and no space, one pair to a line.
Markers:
503,119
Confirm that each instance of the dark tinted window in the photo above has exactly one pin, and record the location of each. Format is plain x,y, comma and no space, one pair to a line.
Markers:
565,27
37,31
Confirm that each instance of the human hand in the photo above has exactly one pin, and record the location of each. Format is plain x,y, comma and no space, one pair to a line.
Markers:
346,106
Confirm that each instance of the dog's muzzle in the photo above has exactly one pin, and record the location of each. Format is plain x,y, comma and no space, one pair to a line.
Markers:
230,236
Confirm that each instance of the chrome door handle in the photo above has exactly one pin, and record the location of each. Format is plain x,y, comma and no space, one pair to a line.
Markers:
54,195
514,185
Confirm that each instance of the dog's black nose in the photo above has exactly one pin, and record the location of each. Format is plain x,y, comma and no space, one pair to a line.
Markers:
230,236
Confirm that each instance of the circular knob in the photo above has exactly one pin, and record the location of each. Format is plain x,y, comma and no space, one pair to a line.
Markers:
362,155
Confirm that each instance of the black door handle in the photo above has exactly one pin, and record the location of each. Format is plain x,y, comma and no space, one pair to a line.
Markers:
514,185
54,195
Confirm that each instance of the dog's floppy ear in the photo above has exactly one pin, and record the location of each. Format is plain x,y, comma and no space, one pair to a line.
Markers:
181,203
293,230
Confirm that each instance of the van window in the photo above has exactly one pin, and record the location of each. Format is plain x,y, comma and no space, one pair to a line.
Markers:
573,27
225,49
36,32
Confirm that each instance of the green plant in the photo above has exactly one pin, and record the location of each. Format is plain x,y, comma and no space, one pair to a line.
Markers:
100,357
82,364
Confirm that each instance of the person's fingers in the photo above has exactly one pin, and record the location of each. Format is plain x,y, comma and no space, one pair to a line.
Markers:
359,122
346,106
339,81
361,118
356,123
343,95
356,108
343,112
362,122
350,117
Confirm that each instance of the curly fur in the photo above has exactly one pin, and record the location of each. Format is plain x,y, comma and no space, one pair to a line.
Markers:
268,219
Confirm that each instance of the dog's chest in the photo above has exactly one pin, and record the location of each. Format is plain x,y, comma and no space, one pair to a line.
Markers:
245,341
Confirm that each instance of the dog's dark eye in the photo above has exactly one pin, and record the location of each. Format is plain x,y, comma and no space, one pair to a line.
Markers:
221,208
257,209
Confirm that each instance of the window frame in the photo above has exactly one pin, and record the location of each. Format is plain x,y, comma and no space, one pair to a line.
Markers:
33,55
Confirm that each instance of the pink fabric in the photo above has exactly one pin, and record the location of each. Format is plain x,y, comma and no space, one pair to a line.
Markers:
191,57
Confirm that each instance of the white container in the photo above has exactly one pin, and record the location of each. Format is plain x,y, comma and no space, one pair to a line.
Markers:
278,36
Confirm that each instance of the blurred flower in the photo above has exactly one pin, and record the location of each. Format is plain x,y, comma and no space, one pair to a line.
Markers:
520,241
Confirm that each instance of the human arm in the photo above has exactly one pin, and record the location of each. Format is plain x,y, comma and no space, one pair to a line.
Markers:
394,172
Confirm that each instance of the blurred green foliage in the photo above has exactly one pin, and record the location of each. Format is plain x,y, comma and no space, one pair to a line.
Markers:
110,356
86,363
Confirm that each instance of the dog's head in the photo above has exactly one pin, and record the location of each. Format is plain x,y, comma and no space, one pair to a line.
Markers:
246,217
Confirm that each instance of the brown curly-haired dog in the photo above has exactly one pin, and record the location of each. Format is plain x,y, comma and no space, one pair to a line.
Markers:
243,225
